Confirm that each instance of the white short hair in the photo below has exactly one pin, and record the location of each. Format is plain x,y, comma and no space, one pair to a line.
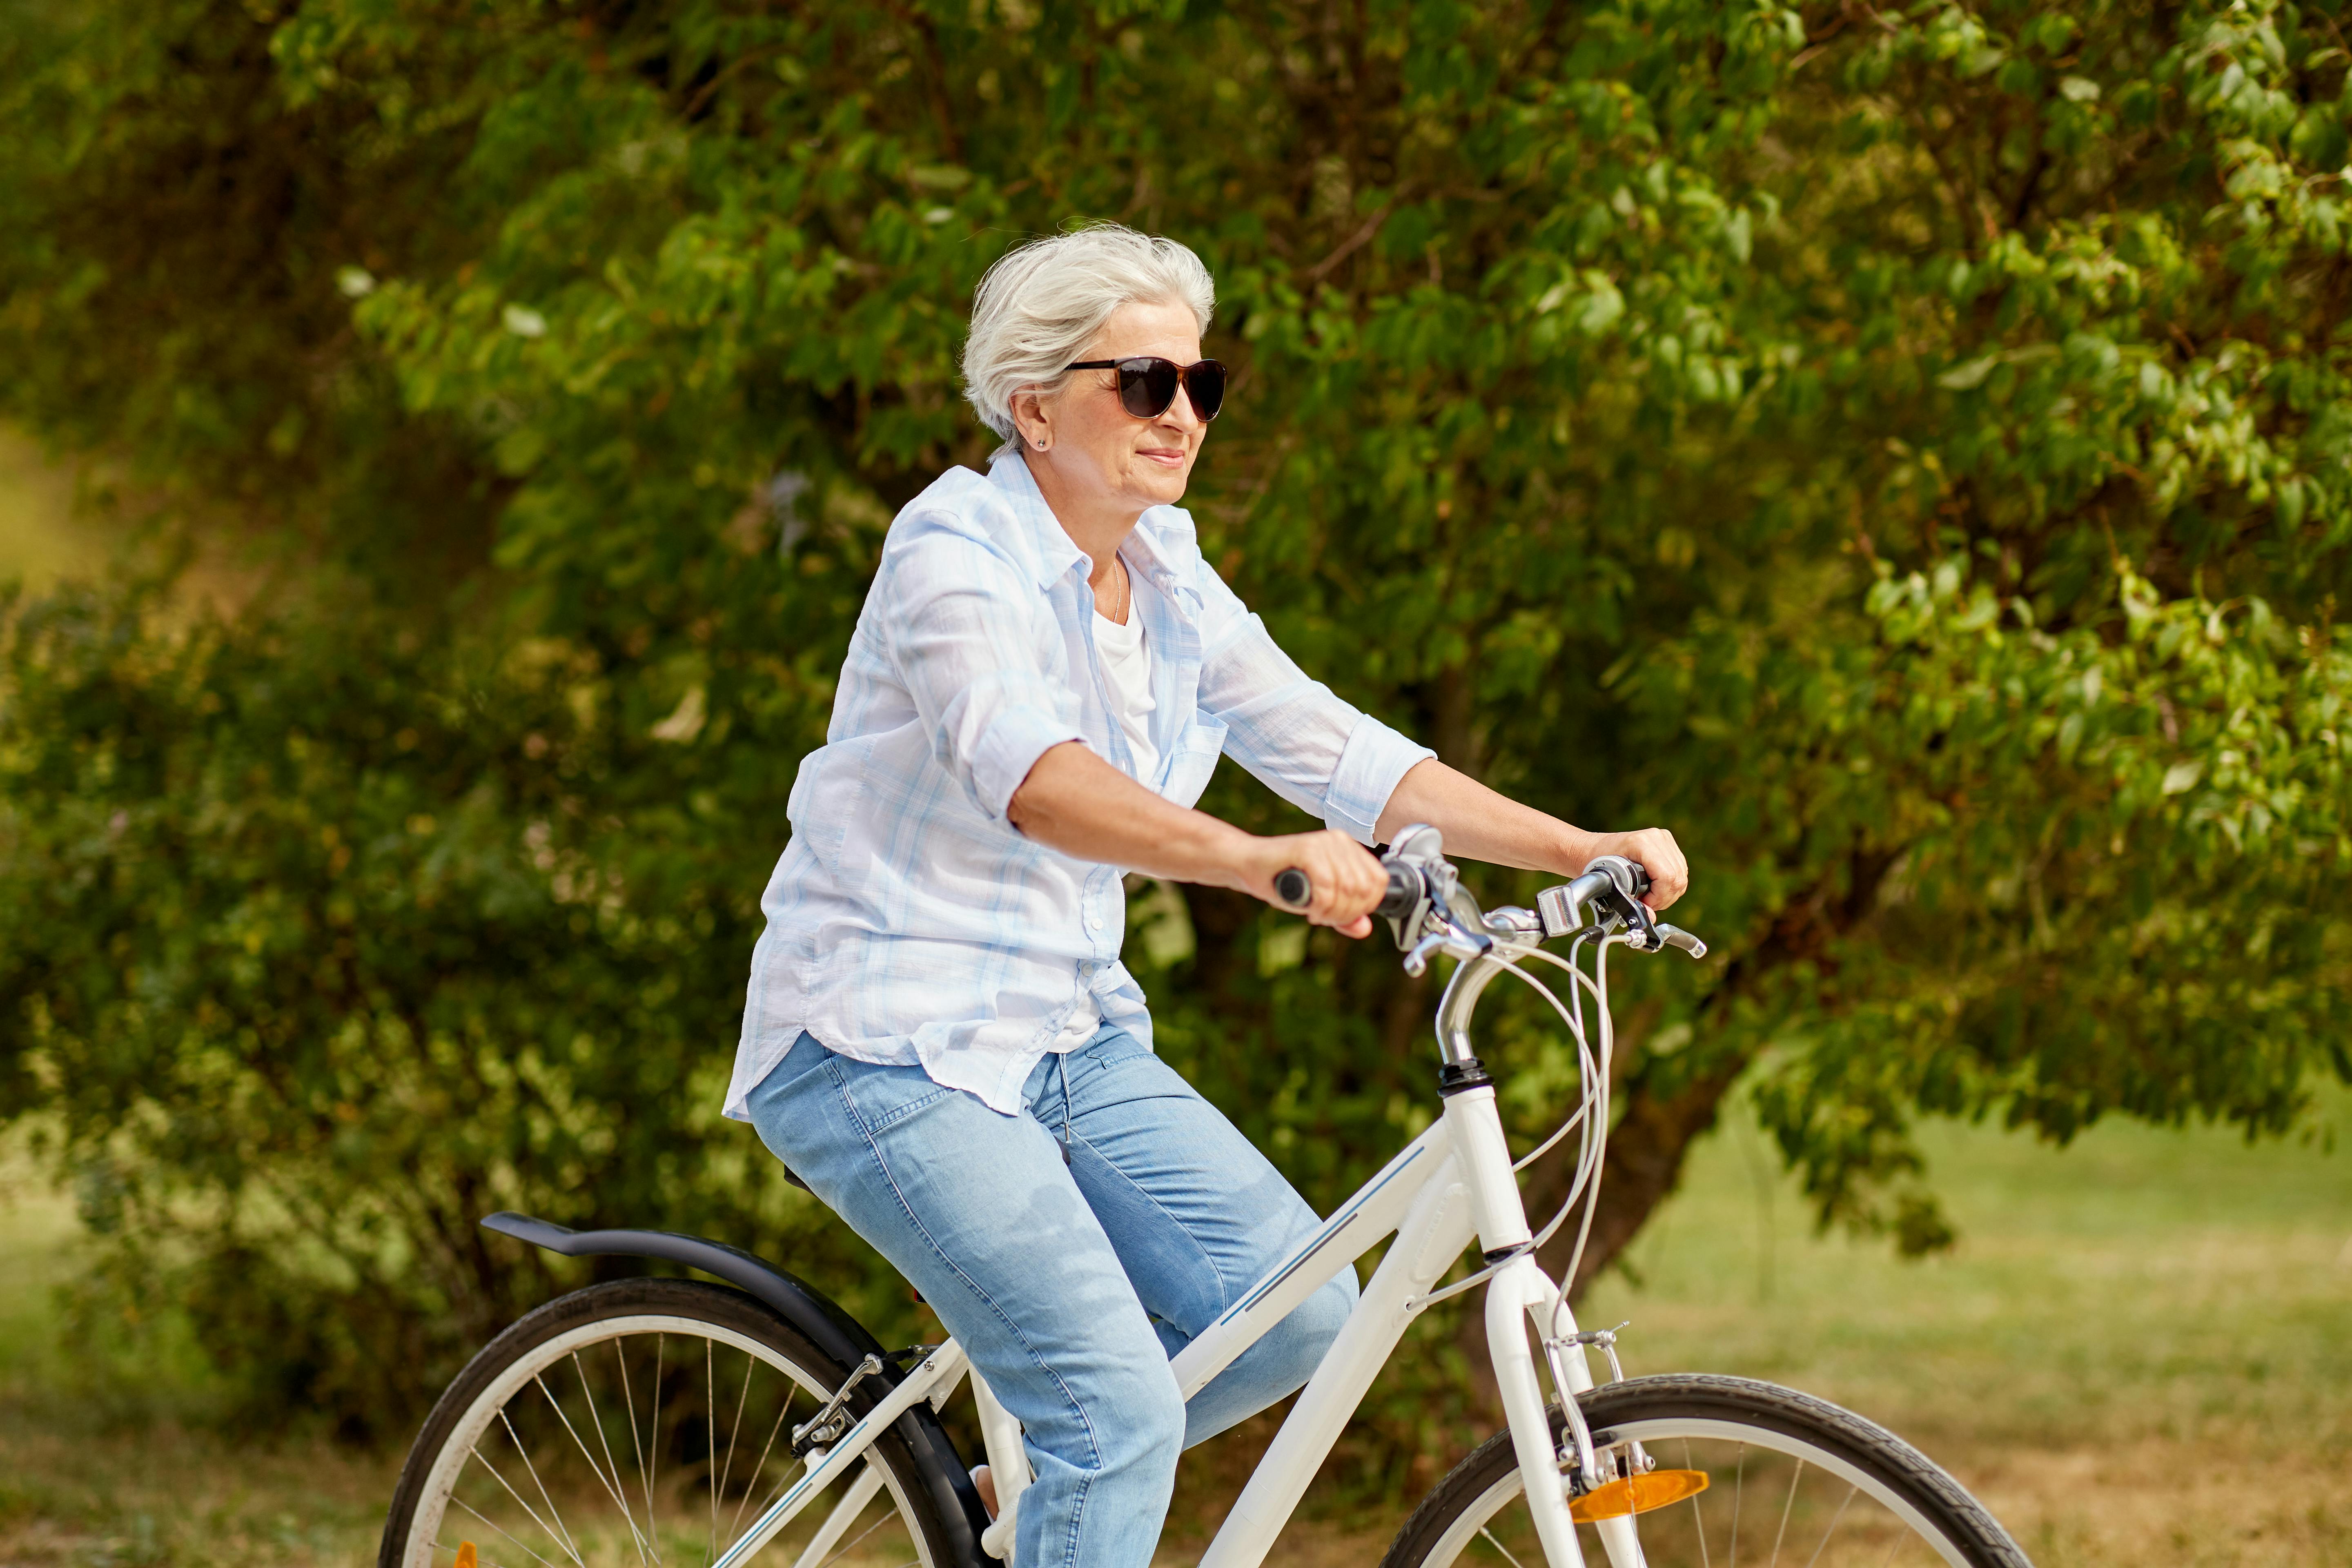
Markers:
1041,303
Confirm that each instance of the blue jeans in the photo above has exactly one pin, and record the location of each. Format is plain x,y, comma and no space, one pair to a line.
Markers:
1070,1286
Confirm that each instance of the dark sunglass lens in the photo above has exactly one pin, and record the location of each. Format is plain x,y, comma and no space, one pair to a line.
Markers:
1204,384
1146,386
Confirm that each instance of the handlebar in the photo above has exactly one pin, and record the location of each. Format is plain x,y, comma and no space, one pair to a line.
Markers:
1610,893
1405,887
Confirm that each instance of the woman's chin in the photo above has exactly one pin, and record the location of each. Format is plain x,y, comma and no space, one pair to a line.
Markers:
1158,485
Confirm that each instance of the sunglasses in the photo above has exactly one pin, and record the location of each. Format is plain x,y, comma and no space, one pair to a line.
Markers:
1146,386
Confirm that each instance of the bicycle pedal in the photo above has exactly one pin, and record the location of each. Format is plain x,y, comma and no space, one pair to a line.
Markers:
1636,1494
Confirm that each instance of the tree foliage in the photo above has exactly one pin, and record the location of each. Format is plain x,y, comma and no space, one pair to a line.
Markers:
1905,450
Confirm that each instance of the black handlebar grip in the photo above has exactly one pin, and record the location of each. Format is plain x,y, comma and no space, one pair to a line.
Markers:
1640,878
1292,887
1404,891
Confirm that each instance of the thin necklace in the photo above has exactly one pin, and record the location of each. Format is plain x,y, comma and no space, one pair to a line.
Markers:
1126,591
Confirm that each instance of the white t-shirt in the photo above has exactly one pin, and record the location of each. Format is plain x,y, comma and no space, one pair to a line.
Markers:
1127,672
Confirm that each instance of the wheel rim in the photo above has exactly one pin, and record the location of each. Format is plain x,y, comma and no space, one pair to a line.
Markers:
1773,1501
648,1441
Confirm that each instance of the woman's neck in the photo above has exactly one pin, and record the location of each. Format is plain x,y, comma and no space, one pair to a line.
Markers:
1099,529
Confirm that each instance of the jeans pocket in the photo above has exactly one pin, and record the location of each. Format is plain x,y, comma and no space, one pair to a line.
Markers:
883,1096
1125,1052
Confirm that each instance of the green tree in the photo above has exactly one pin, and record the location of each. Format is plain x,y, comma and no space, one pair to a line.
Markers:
1903,450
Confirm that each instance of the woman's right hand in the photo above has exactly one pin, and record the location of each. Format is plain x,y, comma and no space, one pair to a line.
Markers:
1346,881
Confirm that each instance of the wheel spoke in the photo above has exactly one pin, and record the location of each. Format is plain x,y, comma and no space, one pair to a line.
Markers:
589,1459
1498,1546
752,1481
1785,1511
554,1532
778,1490
853,1545
733,1428
644,1477
1698,1519
563,1532
620,1485
710,1437
1738,1487
653,1428
1834,1520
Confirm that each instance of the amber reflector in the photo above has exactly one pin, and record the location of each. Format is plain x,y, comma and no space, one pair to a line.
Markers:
466,1556
1637,1494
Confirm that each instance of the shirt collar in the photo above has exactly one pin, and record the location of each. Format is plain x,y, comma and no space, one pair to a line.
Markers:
1056,552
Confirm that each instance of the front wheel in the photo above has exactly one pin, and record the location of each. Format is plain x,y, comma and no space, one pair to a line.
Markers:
1792,1480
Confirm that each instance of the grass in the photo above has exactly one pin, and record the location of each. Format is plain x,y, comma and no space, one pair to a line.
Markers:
38,540
2141,1350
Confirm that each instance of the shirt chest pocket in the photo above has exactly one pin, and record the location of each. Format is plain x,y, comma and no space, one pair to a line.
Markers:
1193,758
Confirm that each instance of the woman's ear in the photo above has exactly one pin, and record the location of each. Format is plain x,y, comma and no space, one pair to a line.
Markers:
1031,427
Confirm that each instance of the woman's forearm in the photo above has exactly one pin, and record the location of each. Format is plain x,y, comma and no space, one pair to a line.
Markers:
1481,825
1075,802
1078,804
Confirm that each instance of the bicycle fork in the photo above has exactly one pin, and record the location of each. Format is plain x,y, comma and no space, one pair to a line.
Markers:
1519,1290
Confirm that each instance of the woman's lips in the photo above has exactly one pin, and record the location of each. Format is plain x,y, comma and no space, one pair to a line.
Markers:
1163,457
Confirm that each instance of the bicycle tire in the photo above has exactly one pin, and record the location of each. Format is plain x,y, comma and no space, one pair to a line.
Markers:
1656,1411
541,1340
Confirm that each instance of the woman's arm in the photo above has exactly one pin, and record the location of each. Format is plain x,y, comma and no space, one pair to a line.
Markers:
1075,802
1483,825
1078,804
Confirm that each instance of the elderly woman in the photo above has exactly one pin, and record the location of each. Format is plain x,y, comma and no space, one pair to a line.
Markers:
939,1038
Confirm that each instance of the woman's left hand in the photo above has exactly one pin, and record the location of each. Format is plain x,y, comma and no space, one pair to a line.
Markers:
1655,851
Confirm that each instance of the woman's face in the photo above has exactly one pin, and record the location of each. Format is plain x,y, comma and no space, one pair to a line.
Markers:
1098,451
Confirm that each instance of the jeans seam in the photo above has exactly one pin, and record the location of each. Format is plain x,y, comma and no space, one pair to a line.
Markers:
898,1113
882,1164
1225,1290
1078,1516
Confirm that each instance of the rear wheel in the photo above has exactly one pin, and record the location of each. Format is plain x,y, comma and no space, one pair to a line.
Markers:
648,1422
1792,1480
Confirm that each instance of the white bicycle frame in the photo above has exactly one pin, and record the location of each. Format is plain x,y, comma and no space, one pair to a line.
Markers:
1452,1184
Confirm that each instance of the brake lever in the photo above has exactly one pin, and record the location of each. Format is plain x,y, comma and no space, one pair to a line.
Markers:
1674,936
1452,937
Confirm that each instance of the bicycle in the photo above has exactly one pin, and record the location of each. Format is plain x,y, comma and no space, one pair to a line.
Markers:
540,1453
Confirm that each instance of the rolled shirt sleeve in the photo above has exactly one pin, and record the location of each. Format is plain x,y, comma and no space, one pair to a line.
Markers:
1321,753
1371,765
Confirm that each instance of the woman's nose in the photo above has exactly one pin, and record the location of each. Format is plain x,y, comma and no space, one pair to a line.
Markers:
1180,413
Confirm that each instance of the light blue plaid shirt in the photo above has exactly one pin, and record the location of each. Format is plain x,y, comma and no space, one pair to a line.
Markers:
908,922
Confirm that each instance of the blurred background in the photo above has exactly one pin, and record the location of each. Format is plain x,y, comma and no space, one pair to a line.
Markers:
1906,451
